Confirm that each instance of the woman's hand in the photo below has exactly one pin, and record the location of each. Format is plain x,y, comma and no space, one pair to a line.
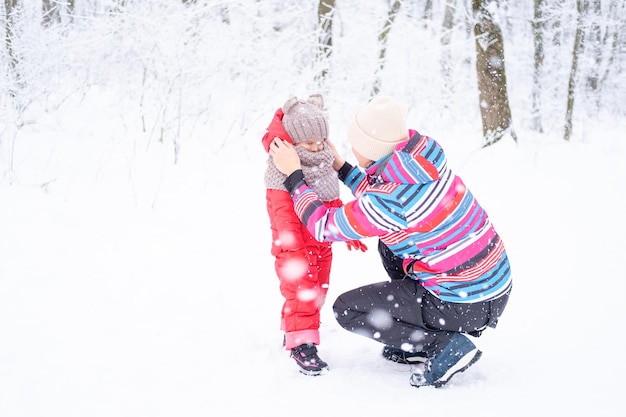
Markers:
285,156
339,161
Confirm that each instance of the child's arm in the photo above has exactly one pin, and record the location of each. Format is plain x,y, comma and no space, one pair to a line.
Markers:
284,220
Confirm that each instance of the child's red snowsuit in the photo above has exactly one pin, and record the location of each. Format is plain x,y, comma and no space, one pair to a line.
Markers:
302,263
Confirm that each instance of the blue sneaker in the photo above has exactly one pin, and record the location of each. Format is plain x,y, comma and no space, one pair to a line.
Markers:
458,355
400,356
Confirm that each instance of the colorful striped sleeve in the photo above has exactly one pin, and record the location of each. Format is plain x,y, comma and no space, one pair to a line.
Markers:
348,222
353,178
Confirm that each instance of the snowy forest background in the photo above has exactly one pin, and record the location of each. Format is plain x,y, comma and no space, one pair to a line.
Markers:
165,70
135,273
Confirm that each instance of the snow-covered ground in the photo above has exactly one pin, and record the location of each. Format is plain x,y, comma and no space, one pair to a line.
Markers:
109,308
134,287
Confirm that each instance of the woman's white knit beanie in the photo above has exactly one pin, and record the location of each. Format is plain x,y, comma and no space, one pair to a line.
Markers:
376,129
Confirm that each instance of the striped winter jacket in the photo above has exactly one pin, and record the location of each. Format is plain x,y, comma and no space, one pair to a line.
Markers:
424,213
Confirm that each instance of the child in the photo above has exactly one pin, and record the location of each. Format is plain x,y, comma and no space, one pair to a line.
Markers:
302,263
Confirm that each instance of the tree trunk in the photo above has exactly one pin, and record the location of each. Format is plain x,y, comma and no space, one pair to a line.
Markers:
610,40
70,7
578,41
325,11
557,26
490,68
446,58
10,7
8,140
382,41
593,11
428,12
538,33
50,13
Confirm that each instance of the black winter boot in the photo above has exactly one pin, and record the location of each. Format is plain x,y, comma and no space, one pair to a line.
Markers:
306,357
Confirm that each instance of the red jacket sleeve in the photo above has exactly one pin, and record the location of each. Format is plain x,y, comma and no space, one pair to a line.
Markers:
287,229
275,129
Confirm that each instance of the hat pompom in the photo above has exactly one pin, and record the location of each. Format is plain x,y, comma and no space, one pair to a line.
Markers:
317,101
289,104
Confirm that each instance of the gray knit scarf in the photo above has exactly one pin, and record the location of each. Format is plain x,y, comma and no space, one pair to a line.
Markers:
318,173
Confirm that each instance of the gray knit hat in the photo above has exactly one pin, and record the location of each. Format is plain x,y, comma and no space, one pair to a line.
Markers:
304,120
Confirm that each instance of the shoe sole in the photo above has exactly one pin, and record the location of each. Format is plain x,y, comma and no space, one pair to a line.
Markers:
313,373
411,360
309,372
415,361
465,362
